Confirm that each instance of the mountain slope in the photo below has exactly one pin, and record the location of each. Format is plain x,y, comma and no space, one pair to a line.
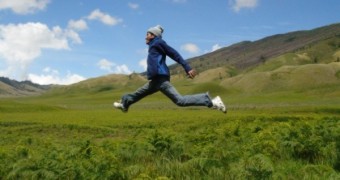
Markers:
10,87
245,55
292,78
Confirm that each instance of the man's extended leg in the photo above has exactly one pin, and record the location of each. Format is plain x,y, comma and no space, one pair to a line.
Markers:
189,100
192,100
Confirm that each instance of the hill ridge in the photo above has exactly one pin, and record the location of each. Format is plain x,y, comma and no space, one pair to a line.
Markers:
247,54
9,87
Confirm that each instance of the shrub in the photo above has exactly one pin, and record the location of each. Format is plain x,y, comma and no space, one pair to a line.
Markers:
259,167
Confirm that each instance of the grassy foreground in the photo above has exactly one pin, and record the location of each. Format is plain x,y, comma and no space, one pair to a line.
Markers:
84,138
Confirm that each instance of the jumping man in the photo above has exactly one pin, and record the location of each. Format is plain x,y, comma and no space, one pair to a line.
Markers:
159,77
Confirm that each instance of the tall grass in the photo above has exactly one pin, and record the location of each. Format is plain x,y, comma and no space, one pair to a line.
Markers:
157,140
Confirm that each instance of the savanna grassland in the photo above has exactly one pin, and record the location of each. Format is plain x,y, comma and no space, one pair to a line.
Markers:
78,135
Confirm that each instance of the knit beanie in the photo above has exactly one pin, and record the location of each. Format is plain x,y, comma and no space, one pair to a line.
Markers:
157,30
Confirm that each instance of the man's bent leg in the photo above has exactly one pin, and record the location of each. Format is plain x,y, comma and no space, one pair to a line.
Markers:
139,94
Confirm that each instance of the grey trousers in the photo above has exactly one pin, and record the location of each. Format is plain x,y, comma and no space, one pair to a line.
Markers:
162,84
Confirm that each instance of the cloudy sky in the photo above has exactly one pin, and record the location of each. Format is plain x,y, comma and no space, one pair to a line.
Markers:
66,41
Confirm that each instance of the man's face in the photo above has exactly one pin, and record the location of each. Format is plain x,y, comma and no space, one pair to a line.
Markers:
149,37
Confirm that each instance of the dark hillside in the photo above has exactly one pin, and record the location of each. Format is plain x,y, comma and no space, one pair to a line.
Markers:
9,87
248,54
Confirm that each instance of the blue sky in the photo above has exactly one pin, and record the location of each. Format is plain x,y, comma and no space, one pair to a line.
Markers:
66,41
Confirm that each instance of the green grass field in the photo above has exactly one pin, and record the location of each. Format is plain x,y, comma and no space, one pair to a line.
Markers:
278,135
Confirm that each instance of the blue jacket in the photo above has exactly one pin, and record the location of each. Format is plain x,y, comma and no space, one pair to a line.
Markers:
158,50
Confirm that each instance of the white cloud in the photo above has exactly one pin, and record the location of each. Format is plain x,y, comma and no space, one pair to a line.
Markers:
215,47
49,70
51,76
51,79
237,5
111,67
77,25
6,72
21,44
23,6
122,69
190,48
106,65
143,63
133,5
74,36
104,18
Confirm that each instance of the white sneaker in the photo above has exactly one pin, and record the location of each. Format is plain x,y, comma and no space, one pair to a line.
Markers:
218,104
120,106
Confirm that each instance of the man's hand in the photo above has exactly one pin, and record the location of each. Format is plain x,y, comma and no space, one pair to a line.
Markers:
192,73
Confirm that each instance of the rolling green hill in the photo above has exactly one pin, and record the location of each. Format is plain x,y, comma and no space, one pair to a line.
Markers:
297,78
